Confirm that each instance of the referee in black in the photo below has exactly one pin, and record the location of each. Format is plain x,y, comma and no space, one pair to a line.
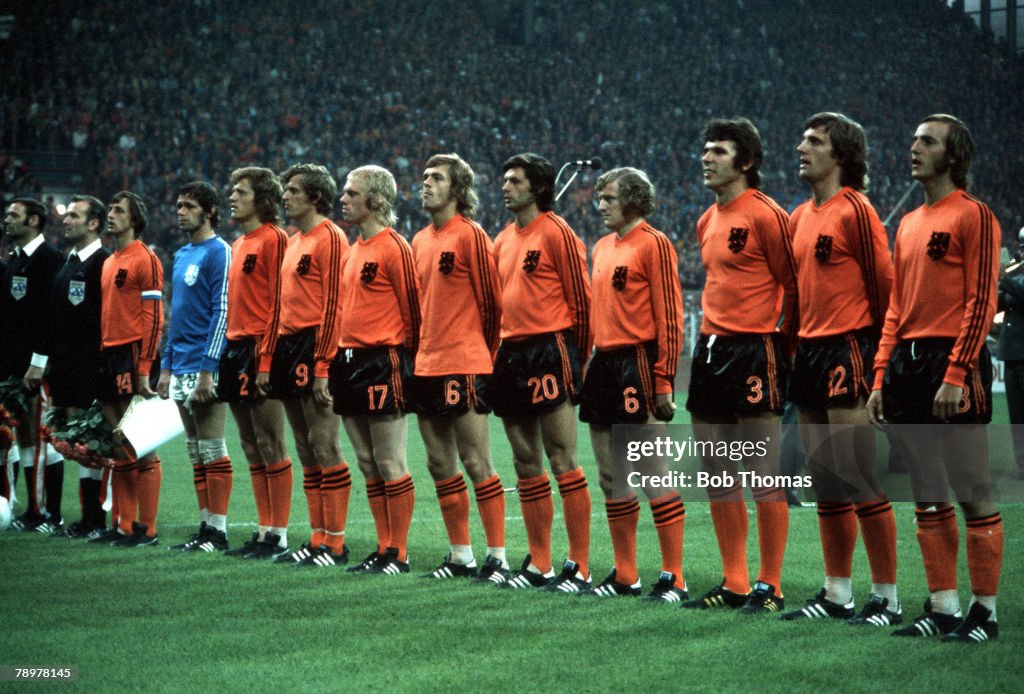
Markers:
75,348
25,293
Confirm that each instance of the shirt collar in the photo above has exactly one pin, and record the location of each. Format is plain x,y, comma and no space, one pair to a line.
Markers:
84,254
30,247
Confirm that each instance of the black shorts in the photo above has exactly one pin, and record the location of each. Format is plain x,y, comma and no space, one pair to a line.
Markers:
445,396
370,381
833,371
74,381
118,366
291,369
740,375
535,375
914,374
236,374
619,386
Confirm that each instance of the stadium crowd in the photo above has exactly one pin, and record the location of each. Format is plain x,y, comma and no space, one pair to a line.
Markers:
163,93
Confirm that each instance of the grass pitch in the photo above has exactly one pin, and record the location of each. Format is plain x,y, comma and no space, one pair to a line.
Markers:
151,620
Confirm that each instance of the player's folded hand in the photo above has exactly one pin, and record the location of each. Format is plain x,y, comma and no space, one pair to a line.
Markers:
143,388
205,391
263,384
874,407
947,402
321,394
664,408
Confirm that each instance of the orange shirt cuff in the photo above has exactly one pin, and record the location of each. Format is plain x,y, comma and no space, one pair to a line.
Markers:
879,377
144,366
264,364
663,385
321,369
955,375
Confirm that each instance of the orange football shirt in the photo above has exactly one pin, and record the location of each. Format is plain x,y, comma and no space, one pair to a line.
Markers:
311,288
544,282
461,295
133,309
637,297
947,269
254,289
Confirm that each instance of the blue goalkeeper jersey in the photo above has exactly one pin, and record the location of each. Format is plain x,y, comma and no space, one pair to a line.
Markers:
199,307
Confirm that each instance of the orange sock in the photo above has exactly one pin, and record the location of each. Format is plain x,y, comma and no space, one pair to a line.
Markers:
260,492
219,479
878,528
939,538
985,553
149,476
669,518
623,516
538,511
279,490
572,487
312,478
453,498
837,527
335,490
490,503
772,532
379,511
199,481
127,495
729,517
401,497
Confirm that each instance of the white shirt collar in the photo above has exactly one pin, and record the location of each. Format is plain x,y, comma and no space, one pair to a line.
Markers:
84,254
30,247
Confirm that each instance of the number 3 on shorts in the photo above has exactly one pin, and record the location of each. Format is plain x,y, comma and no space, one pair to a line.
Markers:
756,390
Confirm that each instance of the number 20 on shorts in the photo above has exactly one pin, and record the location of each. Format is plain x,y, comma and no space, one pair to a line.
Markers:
544,388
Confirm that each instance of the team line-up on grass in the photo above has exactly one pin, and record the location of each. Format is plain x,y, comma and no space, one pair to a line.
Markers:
811,308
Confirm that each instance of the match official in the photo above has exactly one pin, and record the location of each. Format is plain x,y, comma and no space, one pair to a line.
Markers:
75,343
25,294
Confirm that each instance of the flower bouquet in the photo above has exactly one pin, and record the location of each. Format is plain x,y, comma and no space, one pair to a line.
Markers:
85,436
